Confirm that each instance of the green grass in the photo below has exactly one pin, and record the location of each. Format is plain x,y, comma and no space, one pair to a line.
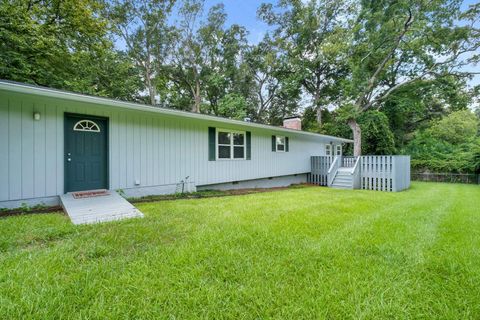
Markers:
292,254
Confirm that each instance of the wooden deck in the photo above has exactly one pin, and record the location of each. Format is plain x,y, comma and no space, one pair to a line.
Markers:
98,207
381,173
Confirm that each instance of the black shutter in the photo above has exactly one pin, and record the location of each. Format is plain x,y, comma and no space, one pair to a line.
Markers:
249,145
274,143
211,144
286,144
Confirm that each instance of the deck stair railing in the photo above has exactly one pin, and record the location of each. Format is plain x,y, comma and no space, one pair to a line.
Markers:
356,174
332,171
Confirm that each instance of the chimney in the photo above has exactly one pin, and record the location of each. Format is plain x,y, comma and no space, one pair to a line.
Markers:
294,123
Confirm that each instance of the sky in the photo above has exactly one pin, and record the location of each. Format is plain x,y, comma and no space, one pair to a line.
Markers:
244,12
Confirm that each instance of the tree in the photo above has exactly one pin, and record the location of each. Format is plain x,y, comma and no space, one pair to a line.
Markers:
232,106
414,106
273,94
223,50
207,56
449,144
456,128
186,58
377,138
142,25
62,44
313,36
398,43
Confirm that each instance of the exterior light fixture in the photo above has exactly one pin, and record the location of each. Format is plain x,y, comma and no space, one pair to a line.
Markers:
36,116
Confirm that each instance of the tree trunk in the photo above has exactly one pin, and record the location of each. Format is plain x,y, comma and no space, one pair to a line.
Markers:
316,102
197,98
357,137
151,90
319,115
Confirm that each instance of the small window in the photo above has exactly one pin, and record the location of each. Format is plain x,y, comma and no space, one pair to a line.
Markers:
86,125
338,150
280,143
328,149
230,144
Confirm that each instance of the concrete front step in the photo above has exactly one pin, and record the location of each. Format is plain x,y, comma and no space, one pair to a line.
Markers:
109,207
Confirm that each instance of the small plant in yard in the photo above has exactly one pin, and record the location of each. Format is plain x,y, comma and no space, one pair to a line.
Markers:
121,192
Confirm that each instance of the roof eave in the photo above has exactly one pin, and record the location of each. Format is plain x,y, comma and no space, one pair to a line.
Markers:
53,93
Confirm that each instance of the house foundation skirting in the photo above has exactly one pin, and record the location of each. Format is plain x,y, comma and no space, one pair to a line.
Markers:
280,181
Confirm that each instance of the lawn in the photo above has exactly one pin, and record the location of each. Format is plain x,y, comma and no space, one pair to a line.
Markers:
300,253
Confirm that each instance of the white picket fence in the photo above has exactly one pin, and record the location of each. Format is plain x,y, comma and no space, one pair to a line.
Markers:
382,173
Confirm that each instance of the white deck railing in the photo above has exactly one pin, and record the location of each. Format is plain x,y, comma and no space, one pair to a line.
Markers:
356,174
383,173
332,171
319,169
348,162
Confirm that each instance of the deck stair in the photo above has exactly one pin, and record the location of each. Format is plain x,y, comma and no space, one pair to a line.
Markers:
97,206
343,179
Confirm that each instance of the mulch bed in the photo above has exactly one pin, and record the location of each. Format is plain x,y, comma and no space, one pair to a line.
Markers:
21,211
199,195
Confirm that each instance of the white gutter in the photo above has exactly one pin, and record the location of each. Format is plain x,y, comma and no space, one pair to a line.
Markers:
54,93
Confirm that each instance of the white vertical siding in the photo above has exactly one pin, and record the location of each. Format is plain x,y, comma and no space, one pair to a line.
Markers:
39,152
5,149
151,148
15,179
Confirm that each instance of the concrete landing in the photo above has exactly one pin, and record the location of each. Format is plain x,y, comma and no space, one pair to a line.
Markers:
97,206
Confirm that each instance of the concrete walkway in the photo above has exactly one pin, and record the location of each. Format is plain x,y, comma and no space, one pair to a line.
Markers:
97,206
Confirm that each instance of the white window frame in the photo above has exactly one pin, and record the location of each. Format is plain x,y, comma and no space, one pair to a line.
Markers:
338,148
284,143
244,145
328,149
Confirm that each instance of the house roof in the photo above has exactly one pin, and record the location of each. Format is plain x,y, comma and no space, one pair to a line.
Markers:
55,93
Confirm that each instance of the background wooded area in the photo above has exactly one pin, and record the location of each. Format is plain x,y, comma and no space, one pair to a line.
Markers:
393,75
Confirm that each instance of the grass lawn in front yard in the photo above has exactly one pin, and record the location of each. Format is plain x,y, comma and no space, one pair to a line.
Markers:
300,253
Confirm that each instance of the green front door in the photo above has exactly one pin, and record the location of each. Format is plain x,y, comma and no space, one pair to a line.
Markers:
86,153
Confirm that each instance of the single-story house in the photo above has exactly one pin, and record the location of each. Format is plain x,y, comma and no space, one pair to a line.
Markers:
53,142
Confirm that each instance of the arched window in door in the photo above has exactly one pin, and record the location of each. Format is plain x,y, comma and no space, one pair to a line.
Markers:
86,125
